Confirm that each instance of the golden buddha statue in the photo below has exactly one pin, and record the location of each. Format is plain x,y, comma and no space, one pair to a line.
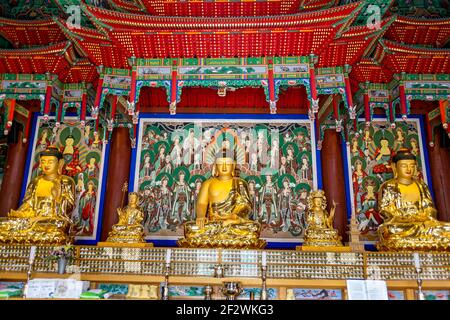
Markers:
222,210
44,214
409,214
319,231
129,229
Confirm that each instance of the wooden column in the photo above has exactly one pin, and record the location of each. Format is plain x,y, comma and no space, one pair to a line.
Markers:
118,173
439,159
14,172
333,179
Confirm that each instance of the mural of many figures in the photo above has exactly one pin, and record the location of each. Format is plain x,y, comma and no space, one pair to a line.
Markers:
276,158
83,154
370,152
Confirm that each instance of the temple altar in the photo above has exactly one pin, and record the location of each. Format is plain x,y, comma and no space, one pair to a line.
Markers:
288,271
232,149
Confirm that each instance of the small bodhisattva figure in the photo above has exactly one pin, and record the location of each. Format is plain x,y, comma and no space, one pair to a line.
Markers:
319,231
223,208
129,229
409,214
44,216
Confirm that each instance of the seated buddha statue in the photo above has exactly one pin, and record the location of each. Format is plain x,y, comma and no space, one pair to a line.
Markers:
222,210
129,229
319,231
43,217
409,214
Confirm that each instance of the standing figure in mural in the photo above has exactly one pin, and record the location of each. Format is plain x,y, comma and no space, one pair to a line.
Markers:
268,211
367,139
88,201
369,219
254,162
71,157
97,143
304,169
414,147
79,189
190,147
297,219
148,140
275,155
248,150
161,158
262,147
92,168
254,198
43,141
284,207
355,150
399,139
302,141
290,160
180,211
283,165
149,205
357,179
176,153
165,203
167,166
146,168
87,135
195,194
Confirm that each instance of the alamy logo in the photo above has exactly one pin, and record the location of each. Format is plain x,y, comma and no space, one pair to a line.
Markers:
374,17
74,19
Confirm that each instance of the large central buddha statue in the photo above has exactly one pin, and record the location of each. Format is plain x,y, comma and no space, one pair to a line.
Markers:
223,207
409,214
43,217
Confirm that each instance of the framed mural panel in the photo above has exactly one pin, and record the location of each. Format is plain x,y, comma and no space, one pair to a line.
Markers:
369,155
277,158
83,154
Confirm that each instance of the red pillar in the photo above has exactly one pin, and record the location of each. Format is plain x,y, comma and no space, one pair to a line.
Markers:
118,173
12,180
333,179
439,161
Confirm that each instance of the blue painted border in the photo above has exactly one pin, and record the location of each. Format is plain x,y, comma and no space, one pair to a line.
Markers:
104,176
425,153
102,200
33,134
345,161
206,116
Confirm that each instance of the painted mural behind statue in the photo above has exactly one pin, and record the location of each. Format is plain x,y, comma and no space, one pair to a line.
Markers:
276,160
83,152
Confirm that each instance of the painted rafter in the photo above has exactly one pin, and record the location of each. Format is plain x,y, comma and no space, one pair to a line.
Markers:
355,43
420,31
22,33
151,37
412,59
228,8
95,45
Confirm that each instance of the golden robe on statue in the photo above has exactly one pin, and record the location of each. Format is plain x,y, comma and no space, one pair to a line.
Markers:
223,223
409,214
44,214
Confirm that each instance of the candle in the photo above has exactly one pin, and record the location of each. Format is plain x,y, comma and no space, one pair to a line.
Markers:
168,253
264,259
416,260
